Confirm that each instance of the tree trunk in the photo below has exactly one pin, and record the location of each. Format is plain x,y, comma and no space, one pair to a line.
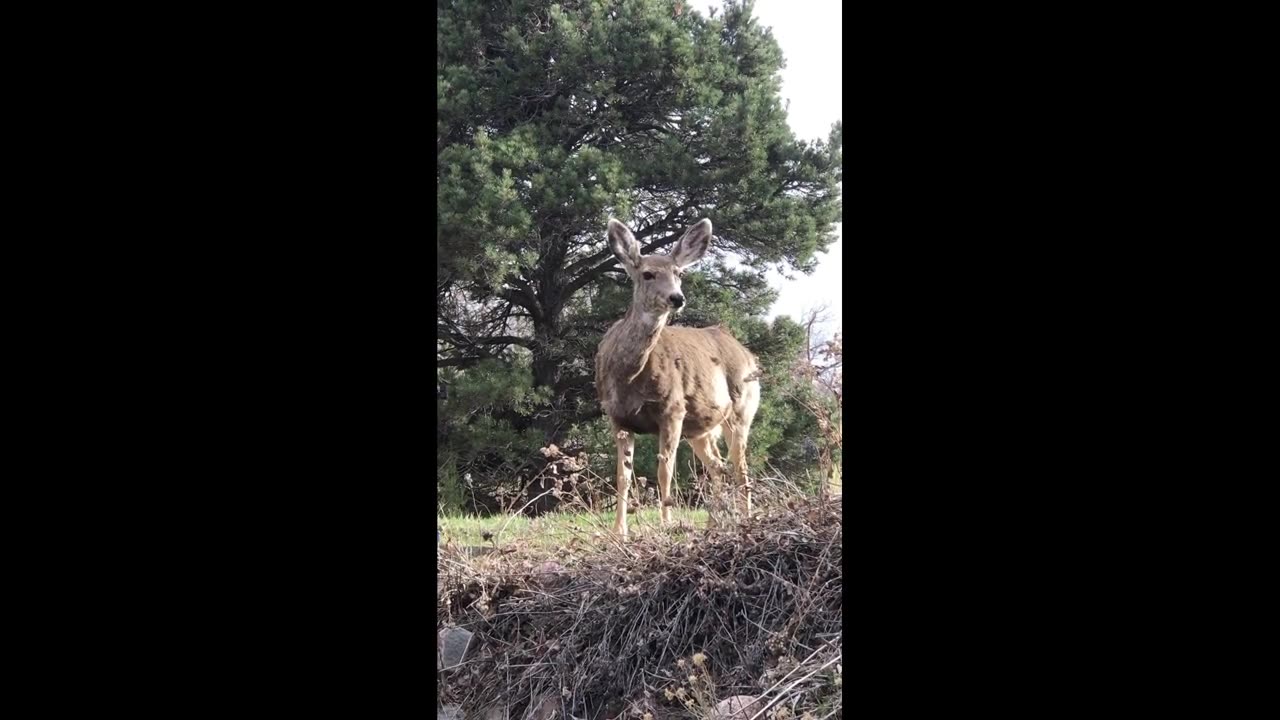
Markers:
546,369
825,473
546,364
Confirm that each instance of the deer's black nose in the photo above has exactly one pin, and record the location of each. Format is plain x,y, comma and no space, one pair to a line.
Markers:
677,300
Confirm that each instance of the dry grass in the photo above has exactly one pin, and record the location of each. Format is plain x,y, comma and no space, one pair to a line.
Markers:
663,625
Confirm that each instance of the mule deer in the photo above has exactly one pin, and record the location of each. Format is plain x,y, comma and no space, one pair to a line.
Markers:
676,382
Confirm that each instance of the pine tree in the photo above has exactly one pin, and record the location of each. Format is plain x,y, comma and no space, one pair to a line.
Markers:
554,116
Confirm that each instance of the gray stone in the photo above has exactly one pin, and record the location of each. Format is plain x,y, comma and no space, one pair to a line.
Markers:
738,707
454,643
550,574
547,708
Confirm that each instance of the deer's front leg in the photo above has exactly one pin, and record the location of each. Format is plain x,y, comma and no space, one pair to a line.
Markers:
626,443
668,442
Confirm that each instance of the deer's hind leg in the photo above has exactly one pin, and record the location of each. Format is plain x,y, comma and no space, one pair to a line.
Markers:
737,430
709,455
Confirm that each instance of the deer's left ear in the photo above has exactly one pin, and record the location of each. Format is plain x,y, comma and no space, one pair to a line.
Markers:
693,245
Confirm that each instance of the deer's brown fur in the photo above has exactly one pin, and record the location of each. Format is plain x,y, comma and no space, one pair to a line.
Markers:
675,382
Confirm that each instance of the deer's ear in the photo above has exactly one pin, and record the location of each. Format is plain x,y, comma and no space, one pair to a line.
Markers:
693,245
624,245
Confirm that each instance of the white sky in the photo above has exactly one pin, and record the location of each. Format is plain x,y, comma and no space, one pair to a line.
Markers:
808,31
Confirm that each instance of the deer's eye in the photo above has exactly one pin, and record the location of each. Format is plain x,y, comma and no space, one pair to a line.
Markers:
648,276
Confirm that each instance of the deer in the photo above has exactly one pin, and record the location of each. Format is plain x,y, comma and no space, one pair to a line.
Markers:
677,382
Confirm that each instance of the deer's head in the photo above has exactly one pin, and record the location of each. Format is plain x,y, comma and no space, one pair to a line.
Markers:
657,277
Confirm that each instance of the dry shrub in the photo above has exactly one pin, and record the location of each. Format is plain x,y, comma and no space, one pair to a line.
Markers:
616,629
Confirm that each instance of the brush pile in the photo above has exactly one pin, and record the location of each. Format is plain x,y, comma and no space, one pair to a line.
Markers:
660,628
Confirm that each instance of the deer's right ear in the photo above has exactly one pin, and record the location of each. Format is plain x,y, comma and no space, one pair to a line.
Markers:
624,245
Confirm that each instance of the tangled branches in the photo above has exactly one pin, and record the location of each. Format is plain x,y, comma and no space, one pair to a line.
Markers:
661,626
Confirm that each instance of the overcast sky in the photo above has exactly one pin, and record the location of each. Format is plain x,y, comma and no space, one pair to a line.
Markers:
809,33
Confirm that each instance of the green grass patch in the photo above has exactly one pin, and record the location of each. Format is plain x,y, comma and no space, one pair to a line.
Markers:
555,528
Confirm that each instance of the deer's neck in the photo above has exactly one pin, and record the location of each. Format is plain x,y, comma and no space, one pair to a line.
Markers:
638,334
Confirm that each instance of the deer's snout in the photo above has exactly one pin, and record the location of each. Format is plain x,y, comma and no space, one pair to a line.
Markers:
676,300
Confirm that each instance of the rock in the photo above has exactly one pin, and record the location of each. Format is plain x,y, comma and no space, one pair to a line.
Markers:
449,712
550,574
738,707
453,646
547,708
